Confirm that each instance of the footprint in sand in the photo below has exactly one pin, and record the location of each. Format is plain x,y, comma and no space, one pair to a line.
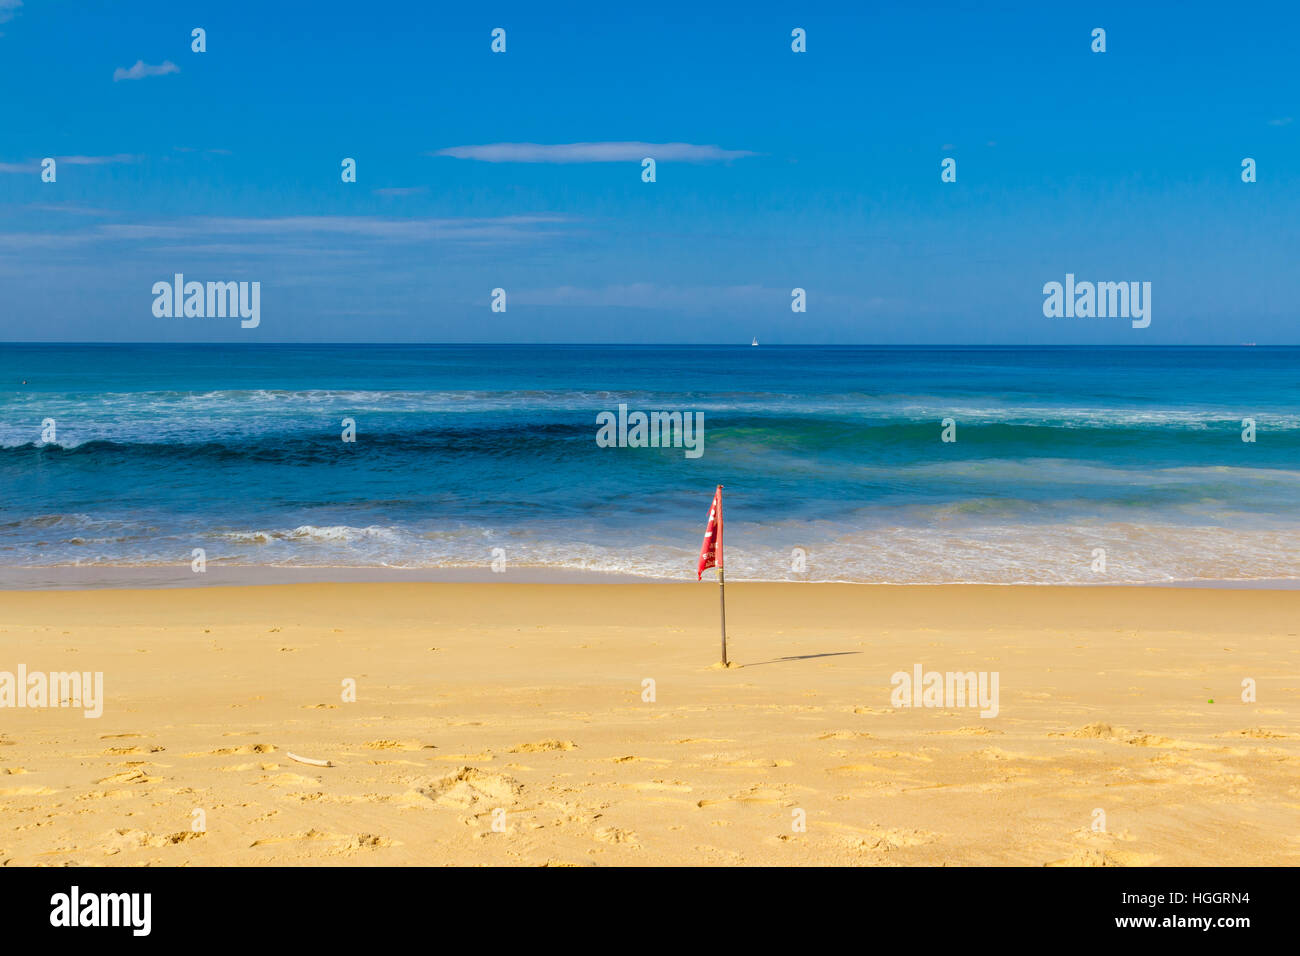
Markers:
571,813
543,745
306,835
292,780
472,789
229,751
676,786
363,841
1257,733
397,745
1104,731
1094,731
108,795
755,794
1089,835
128,776
115,841
997,753
975,731
339,843
618,836
455,758
878,839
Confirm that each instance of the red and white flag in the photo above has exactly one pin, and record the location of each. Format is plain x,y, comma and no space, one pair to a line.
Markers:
711,549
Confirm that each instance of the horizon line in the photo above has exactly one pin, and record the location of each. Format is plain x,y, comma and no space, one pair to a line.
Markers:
652,345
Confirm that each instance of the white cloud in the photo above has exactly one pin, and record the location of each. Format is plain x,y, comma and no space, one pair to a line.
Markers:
593,153
70,208
210,232
371,227
97,160
9,10
143,69
34,165
649,295
646,295
1284,121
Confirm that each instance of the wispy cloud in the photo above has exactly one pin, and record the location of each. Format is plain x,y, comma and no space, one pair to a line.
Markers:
593,153
34,165
374,227
97,160
209,232
246,249
646,295
700,299
758,299
401,191
143,69
9,10
70,209
1284,121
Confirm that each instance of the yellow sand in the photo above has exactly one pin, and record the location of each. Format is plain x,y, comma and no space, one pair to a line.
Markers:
527,699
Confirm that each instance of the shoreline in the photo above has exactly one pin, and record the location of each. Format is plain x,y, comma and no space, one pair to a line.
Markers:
113,577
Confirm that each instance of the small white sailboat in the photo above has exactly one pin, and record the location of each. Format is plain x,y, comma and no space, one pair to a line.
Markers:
755,342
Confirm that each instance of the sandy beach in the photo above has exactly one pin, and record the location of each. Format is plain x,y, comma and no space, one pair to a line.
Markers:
511,724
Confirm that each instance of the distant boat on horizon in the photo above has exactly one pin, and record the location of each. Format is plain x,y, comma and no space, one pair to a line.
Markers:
755,342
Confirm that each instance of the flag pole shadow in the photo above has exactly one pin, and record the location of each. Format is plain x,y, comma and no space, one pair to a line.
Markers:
800,657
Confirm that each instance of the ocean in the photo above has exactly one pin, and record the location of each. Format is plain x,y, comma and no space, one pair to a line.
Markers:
1069,465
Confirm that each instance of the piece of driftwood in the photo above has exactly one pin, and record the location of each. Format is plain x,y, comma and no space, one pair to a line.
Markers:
314,763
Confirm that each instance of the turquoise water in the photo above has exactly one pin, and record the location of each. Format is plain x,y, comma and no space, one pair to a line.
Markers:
160,449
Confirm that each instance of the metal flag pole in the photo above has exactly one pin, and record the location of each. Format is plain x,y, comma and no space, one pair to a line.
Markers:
722,608
722,583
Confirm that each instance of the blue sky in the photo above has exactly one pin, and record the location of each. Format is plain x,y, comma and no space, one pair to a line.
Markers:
819,170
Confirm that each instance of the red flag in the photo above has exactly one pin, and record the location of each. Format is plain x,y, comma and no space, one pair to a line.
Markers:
711,549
